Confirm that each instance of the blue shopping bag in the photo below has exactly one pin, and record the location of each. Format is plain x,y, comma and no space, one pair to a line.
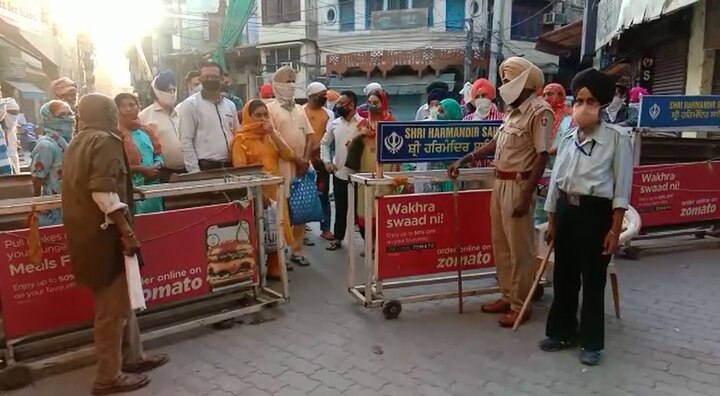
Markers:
304,202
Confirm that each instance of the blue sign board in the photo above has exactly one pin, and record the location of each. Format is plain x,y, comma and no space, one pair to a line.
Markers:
431,141
679,111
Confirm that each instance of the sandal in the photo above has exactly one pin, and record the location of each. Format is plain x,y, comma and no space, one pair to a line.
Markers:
300,260
124,383
334,245
148,364
308,242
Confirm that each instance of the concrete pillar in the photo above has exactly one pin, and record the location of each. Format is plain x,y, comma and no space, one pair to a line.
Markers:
700,62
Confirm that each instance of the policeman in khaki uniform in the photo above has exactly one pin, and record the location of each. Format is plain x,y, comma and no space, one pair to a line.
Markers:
521,150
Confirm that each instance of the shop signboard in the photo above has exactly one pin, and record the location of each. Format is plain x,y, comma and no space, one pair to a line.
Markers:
187,253
672,194
679,111
431,141
24,14
417,233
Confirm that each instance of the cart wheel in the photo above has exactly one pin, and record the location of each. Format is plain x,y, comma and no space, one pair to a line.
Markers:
15,377
700,234
631,252
392,309
539,293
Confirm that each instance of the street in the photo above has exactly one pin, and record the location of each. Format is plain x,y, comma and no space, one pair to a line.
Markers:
322,343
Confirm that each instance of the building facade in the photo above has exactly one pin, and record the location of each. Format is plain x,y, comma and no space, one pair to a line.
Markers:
406,44
668,47
287,34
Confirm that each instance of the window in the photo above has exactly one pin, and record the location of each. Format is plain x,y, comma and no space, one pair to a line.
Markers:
526,21
347,15
280,11
370,7
455,15
274,58
425,4
397,4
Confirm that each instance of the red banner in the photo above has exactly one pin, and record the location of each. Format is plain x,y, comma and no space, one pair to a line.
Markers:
187,253
671,194
416,234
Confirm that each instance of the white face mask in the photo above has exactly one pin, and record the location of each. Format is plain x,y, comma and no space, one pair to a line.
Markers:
165,98
482,106
196,89
330,105
434,111
284,91
11,121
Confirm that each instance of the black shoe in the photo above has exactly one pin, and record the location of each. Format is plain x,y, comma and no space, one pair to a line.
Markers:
589,357
554,345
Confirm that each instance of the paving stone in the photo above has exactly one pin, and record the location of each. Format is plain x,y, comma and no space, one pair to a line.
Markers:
321,344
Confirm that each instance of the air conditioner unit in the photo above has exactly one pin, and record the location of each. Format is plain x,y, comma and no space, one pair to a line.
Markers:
293,65
554,18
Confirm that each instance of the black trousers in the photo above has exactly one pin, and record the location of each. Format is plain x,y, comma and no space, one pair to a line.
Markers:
580,230
340,187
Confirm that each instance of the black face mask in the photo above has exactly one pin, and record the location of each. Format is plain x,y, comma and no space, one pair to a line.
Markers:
211,85
321,101
342,111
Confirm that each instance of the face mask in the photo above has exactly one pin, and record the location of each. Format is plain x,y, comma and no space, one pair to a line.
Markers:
434,112
284,91
224,88
11,121
211,86
330,105
375,109
321,101
342,111
165,98
586,116
482,105
512,90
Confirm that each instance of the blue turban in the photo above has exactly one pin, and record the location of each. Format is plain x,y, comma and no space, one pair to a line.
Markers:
164,80
437,94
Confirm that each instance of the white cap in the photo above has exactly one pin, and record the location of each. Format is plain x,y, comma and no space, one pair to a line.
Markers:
315,88
373,86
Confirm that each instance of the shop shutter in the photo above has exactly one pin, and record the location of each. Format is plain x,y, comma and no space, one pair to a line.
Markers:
716,75
670,68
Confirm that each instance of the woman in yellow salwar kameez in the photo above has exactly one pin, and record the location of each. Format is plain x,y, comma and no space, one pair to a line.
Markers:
257,143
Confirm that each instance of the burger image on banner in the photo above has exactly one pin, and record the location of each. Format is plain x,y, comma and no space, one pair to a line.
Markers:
230,261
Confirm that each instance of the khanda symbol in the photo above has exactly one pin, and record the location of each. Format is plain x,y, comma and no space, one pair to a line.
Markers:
393,142
654,111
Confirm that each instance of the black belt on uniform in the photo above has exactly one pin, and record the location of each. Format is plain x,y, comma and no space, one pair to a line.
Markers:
583,200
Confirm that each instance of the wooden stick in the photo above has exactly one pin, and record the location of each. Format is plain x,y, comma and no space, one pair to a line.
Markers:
538,276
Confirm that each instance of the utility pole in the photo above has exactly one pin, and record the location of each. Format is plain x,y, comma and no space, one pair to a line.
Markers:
497,40
468,50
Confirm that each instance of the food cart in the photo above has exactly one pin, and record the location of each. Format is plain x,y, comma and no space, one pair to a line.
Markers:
419,240
203,265
676,183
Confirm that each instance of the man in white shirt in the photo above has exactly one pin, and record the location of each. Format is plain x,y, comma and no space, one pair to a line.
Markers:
333,152
290,121
208,122
164,121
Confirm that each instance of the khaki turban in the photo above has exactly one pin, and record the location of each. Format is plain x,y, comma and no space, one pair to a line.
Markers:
98,111
63,86
522,75
284,74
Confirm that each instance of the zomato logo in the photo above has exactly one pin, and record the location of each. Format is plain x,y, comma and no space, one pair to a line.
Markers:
181,286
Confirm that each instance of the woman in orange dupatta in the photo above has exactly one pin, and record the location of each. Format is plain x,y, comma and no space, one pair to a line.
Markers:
257,143
378,111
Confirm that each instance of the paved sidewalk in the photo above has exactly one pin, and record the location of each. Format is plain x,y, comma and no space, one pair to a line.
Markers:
322,343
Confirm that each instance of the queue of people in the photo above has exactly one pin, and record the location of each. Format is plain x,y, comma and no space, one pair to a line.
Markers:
583,202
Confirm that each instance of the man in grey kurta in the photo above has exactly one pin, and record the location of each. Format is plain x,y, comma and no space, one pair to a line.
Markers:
96,197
